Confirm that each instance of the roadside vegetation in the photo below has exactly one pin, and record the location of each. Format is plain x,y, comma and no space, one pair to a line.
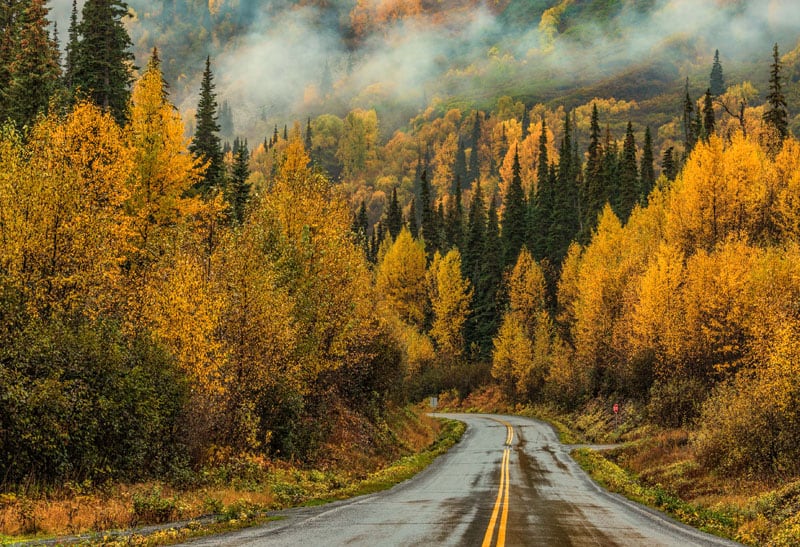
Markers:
239,493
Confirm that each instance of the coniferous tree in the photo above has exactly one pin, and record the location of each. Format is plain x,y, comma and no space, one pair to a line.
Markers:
460,166
239,187
628,177
476,235
716,80
454,224
394,216
103,61
709,121
225,119
10,16
689,127
776,115
486,317
596,195
526,122
285,132
514,216
308,137
540,202
474,162
34,70
412,221
647,170
564,224
610,169
360,227
427,215
206,142
668,165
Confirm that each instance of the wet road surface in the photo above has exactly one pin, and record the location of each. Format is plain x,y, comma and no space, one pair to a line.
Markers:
508,482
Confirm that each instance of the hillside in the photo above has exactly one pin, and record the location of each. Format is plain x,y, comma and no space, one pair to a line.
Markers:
294,59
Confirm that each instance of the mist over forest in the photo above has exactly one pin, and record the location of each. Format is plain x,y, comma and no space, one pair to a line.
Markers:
283,60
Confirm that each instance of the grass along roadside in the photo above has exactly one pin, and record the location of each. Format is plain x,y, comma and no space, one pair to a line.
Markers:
253,489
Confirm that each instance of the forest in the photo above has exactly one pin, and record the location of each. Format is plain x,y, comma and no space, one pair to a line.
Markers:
171,302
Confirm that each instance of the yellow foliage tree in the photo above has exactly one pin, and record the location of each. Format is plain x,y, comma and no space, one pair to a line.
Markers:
526,291
400,279
450,296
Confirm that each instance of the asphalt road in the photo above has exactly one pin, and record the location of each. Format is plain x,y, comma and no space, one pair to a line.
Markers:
508,482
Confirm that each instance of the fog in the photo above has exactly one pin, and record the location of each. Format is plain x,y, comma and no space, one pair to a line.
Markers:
275,64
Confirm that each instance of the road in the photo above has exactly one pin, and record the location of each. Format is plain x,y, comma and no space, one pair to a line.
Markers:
508,482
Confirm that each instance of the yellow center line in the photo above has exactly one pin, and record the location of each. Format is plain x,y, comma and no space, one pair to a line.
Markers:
502,495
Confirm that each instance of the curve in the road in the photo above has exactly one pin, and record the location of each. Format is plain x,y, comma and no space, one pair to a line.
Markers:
508,482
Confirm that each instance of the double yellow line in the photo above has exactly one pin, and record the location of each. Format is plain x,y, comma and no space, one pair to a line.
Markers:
502,496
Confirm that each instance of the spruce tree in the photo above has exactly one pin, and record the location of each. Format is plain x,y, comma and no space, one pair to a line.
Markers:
394,216
206,142
596,195
629,192
540,202
647,169
565,224
689,129
526,122
412,221
427,215
455,220
716,80
307,140
610,170
10,23
103,61
486,317
776,115
474,163
239,187
668,165
514,216
460,165
476,235
709,121
360,227
34,70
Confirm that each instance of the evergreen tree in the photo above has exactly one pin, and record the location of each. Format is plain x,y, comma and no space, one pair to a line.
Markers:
610,170
455,219
206,142
596,195
394,216
540,201
103,63
413,223
360,227
647,170
668,164
285,132
34,70
476,235
689,129
628,176
709,121
474,162
526,122
239,187
486,318
776,115
716,80
460,165
10,16
564,224
514,216
427,215
308,137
